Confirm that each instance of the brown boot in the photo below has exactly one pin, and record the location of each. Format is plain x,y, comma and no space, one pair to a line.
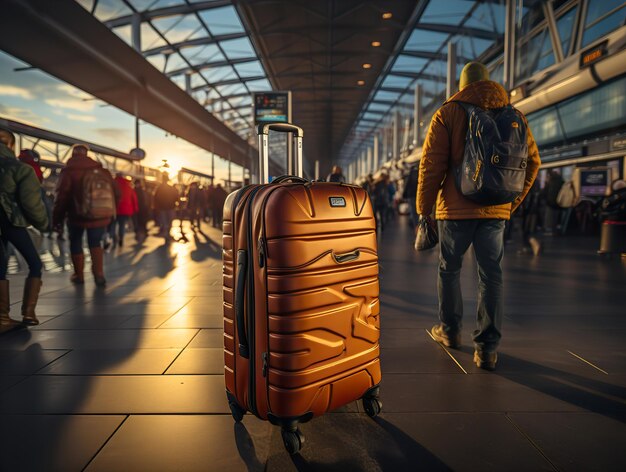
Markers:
29,302
78,261
97,265
6,323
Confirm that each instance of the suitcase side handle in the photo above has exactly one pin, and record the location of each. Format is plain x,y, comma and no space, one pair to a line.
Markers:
240,294
348,256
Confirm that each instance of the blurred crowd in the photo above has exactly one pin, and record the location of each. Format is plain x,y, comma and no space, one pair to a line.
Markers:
85,203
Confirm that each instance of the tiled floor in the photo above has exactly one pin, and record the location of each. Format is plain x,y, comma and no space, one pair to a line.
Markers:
130,378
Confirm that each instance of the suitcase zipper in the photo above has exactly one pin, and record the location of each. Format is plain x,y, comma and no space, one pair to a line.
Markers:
251,313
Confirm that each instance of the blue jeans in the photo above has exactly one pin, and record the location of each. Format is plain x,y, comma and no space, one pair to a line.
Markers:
455,237
20,239
94,237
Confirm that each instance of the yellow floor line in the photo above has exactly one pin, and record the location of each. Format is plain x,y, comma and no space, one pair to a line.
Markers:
447,352
587,362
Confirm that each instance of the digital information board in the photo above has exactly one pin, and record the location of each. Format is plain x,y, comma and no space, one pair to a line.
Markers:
594,182
272,107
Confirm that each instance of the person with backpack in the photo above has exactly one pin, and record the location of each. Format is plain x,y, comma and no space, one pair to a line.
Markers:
479,161
20,207
86,196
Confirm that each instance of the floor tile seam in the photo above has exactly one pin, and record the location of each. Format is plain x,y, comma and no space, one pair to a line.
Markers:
105,443
181,352
532,442
446,351
51,362
176,312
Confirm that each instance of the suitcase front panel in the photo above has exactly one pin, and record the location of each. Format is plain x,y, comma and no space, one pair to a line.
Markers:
322,298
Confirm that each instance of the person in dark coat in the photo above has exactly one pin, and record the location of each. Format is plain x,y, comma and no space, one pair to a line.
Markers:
142,215
165,200
336,175
66,205
20,206
219,197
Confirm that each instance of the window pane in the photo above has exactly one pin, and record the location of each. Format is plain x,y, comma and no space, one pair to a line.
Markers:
565,25
600,109
603,27
534,55
596,9
545,127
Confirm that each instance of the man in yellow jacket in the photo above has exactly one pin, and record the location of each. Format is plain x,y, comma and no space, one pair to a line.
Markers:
462,222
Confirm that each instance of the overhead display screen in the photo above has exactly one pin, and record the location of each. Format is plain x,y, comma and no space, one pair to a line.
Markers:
271,107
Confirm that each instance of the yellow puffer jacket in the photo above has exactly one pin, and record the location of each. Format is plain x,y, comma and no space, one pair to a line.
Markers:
443,152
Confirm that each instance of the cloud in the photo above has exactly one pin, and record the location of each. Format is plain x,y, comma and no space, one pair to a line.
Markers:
118,134
23,116
74,92
87,118
13,91
70,104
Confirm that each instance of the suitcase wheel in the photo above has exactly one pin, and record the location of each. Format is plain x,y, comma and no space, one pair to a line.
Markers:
236,411
372,406
293,440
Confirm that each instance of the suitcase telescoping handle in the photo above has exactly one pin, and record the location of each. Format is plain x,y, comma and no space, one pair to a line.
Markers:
263,131
240,295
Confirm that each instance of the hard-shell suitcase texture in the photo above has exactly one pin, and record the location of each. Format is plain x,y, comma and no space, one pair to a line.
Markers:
301,308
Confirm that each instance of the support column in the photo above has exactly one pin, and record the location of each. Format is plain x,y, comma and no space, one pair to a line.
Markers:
188,83
370,161
548,12
376,160
451,77
417,115
135,31
230,178
394,140
509,46
317,170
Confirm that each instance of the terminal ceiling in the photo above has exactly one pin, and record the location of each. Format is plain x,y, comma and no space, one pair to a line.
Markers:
347,62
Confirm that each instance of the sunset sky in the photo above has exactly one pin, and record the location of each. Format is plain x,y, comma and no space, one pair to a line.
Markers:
36,98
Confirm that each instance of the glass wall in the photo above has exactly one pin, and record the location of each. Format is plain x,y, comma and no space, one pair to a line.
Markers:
600,109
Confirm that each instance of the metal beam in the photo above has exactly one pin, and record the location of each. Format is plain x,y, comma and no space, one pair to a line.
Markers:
210,65
183,9
434,56
463,30
86,54
192,42
419,75
228,82
38,133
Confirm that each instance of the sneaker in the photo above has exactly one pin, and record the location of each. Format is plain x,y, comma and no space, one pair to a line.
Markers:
440,336
485,360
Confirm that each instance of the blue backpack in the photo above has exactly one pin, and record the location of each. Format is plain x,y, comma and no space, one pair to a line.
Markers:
493,170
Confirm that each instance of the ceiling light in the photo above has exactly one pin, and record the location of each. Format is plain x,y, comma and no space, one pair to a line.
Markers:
367,66
387,15
376,44
360,82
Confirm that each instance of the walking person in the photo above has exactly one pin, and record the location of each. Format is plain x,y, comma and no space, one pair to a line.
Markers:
141,217
336,175
86,197
165,200
464,222
20,206
219,197
127,206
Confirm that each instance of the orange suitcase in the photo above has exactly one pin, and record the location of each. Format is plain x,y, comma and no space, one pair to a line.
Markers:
301,308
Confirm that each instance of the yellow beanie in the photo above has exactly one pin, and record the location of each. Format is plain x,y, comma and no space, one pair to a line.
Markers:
472,72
